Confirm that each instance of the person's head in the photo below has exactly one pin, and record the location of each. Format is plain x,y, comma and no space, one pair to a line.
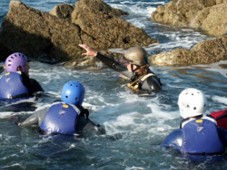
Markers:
137,55
73,93
17,62
191,102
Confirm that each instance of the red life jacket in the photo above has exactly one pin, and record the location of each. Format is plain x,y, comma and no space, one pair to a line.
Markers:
221,118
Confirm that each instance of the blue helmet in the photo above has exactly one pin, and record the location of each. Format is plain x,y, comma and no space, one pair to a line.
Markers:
73,93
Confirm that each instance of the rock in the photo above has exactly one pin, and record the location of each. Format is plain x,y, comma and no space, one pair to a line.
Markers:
106,27
54,37
177,57
197,14
211,20
62,11
39,34
4,52
206,52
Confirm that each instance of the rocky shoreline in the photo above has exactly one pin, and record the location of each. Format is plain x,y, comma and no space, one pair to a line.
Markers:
54,37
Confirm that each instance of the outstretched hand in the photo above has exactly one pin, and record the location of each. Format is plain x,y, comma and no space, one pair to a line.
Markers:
89,51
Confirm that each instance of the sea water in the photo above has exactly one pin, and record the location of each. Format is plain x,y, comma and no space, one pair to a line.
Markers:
135,126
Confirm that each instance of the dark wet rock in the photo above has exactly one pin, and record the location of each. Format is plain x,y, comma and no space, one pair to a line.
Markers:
4,52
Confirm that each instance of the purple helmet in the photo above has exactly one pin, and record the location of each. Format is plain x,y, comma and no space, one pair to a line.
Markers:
15,60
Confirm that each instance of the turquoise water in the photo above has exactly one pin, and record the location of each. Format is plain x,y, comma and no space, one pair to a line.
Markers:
135,126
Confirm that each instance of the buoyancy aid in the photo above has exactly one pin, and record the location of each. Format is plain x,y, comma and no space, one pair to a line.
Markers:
137,84
12,86
140,75
61,118
201,136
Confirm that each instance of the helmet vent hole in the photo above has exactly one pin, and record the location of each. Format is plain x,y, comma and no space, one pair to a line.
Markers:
188,106
66,96
194,108
76,98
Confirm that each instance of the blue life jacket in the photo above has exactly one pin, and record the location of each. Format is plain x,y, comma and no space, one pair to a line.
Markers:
174,140
12,87
61,118
201,136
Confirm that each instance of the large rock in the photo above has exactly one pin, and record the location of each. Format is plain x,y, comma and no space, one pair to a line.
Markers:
54,37
106,27
205,52
208,16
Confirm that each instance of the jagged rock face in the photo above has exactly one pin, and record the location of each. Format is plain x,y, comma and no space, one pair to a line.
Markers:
205,52
62,11
55,37
106,27
38,33
208,16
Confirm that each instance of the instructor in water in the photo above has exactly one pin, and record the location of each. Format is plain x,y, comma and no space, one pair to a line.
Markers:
133,66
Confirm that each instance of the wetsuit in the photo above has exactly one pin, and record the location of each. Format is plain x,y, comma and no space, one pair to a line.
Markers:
32,85
145,83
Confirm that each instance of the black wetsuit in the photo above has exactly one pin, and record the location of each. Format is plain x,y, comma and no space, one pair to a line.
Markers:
149,85
85,125
32,85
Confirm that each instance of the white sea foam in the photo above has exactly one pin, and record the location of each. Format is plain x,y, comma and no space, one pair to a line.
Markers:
220,99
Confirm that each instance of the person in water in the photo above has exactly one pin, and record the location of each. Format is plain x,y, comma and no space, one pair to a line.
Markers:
15,81
66,117
133,66
198,133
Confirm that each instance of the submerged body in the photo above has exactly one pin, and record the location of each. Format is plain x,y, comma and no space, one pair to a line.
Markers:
67,117
146,82
61,118
133,66
18,93
198,136
15,83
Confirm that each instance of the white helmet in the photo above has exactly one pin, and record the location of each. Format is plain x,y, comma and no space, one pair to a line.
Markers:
191,102
136,55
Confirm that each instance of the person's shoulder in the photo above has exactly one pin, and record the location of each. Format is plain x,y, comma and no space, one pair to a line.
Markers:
36,85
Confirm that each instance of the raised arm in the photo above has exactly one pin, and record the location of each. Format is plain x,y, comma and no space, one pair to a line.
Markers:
35,119
111,63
